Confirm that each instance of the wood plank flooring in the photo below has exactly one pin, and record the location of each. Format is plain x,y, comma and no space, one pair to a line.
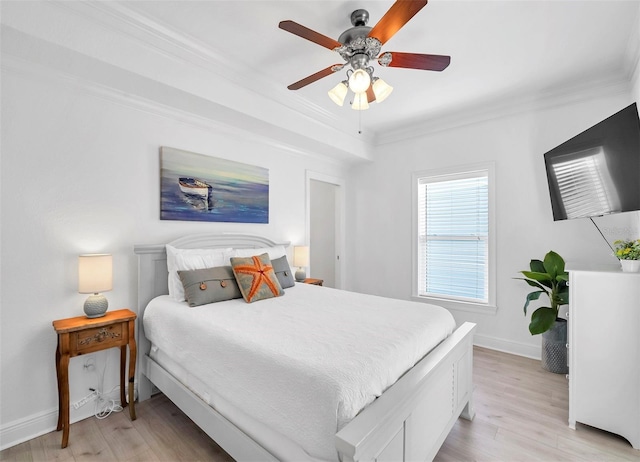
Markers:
521,415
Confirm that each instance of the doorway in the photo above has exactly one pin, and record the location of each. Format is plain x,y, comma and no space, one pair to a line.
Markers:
325,228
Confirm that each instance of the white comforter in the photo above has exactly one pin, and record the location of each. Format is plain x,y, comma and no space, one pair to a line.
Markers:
305,363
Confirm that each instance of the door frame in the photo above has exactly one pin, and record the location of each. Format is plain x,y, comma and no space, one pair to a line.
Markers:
340,215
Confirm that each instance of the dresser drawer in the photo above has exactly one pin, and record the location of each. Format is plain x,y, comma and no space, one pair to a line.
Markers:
99,338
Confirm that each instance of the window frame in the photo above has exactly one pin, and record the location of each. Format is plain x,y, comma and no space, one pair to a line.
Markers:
453,173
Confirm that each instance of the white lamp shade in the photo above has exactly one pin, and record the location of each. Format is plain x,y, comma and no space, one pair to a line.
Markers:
301,255
381,89
359,81
338,93
360,102
95,273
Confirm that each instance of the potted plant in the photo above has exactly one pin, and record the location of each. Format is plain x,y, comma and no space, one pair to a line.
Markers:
628,252
550,278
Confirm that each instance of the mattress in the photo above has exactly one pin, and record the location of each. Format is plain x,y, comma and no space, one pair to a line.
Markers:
302,365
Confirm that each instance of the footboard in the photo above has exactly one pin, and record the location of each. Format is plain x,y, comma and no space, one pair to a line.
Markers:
411,420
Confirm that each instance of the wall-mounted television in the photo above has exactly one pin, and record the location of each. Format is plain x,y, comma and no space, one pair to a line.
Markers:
598,171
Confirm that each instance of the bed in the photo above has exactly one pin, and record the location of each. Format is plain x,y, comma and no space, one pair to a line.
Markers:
408,419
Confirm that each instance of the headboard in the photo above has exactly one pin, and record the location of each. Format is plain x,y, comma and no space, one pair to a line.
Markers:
153,272
152,259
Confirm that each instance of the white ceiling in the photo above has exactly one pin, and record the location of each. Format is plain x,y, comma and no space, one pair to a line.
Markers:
506,55
501,50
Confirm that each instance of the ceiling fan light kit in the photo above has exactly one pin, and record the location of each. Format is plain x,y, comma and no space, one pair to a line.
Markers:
360,102
381,89
359,81
360,45
339,92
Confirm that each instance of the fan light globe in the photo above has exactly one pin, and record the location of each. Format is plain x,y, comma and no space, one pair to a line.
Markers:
338,93
359,81
360,102
381,89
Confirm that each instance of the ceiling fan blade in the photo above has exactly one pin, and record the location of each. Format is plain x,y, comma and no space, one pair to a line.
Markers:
311,35
414,61
398,15
371,96
317,76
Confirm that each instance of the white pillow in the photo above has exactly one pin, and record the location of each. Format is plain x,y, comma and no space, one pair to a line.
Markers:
274,252
192,259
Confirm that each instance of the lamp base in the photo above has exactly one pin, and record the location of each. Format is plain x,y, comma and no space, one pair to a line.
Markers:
301,275
96,306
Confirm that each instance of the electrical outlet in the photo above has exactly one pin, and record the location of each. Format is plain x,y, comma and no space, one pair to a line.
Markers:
90,397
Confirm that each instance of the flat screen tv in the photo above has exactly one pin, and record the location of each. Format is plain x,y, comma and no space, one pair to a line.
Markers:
598,171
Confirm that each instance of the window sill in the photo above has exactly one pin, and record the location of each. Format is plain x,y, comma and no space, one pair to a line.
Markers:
458,305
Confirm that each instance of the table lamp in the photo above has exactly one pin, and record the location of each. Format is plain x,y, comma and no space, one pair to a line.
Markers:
95,275
301,260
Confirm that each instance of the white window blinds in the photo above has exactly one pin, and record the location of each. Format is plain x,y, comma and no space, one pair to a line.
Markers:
453,236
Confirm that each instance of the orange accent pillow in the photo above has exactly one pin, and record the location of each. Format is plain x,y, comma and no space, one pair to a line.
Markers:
256,277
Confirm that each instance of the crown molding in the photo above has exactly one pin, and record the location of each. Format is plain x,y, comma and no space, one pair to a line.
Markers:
176,44
212,121
505,106
633,54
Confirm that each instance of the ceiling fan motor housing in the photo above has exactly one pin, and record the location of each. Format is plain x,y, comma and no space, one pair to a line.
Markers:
360,17
357,47
353,33
359,61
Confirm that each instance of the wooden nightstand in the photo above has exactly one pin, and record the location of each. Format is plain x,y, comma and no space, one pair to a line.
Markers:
315,282
81,335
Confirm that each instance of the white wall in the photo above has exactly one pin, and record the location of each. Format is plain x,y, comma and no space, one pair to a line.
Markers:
80,173
380,201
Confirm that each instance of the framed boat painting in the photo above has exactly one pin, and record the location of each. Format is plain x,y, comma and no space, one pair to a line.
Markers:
195,187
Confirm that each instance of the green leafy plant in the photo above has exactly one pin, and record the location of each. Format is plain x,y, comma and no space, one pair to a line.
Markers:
548,277
627,250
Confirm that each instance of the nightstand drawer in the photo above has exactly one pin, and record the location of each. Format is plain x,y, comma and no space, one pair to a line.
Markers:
99,337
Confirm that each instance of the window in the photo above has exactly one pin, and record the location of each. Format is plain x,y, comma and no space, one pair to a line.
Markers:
453,235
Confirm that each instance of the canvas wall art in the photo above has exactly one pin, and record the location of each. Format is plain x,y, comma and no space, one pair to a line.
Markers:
195,187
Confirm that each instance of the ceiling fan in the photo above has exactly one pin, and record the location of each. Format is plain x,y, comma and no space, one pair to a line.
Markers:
361,44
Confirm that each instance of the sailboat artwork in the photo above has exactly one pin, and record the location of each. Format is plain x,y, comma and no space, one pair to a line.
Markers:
197,187
197,192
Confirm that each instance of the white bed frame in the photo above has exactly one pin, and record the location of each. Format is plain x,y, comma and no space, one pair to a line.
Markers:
410,421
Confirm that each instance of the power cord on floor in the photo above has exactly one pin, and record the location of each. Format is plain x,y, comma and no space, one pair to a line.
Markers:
104,406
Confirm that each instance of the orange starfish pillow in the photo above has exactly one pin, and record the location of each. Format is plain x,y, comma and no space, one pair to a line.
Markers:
256,277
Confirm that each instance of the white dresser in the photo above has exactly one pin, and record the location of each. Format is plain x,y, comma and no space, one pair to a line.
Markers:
604,350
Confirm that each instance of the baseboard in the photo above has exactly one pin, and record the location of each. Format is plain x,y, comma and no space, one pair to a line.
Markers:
507,346
27,428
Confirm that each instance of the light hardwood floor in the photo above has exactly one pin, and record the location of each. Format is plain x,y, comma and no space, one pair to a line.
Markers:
521,415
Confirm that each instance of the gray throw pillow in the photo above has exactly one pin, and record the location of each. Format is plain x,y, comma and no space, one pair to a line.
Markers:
283,272
209,285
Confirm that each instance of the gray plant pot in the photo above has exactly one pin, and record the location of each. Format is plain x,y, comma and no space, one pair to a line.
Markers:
554,348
